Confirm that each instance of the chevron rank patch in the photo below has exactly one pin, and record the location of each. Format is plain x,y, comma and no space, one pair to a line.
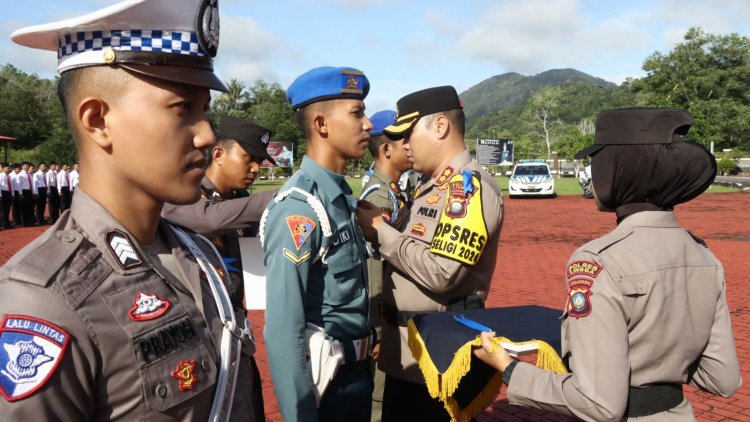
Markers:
123,250
148,306
296,259
30,351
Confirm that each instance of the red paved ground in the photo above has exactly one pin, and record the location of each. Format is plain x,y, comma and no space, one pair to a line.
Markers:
538,238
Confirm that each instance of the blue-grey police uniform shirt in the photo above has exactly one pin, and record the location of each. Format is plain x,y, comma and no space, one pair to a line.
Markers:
299,289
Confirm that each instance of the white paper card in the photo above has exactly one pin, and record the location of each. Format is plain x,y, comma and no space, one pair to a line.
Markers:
253,272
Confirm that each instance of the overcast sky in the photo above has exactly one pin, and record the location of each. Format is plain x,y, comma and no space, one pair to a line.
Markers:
403,46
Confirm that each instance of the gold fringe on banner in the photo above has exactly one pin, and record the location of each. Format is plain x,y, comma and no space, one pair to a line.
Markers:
443,385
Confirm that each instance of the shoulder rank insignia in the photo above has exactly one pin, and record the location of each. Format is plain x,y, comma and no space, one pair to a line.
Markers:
447,173
123,250
185,373
433,199
148,306
30,351
585,268
301,227
579,303
294,258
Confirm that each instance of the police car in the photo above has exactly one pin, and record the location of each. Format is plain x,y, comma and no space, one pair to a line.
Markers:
531,178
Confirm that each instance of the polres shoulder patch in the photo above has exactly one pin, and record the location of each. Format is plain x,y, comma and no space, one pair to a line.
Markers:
30,351
585,268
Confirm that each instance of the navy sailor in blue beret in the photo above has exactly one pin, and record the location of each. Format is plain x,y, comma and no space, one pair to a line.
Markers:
317,255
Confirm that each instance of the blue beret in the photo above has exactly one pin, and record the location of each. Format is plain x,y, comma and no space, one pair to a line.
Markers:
327,83
381,120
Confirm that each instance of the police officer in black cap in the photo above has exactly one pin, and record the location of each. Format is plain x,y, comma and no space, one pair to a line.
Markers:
226,211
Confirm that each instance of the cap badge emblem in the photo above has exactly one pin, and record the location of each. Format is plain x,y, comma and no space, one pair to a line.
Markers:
207,26
109,56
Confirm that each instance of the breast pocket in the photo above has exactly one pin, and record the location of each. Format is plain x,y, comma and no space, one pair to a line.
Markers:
344,278
179,377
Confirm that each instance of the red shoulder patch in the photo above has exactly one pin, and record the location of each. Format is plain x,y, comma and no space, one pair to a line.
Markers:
301,227
579,302
587,268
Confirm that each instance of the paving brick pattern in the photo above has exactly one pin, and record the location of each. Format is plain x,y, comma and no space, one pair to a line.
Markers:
538,237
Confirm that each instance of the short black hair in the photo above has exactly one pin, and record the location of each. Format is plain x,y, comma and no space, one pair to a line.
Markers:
374,144
455,116
53,163
222,141
40,163
302,116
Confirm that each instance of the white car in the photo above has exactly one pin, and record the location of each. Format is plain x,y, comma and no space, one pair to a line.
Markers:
531,178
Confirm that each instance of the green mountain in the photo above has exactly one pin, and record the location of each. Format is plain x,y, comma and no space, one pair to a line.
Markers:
513,89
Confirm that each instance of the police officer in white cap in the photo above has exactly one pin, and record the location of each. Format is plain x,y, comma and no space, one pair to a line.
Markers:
113,314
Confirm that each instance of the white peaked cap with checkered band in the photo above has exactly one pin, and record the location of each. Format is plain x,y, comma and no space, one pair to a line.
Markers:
173,40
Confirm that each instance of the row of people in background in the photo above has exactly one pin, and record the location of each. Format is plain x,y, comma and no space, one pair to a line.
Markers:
33,196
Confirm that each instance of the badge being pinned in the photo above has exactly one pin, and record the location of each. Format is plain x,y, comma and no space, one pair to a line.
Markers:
185,373
147,307
579,303
31,351
301,228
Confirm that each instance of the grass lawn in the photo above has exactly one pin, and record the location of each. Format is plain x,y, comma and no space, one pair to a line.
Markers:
563,186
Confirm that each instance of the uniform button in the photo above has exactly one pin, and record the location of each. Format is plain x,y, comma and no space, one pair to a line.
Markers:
204,365
161,391
68,238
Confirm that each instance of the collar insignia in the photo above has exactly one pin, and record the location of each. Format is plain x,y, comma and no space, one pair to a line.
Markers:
148,306
447,172
123,250
433,199
395,188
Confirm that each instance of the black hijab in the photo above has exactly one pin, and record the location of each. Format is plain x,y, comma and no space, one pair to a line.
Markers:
634,178
642,161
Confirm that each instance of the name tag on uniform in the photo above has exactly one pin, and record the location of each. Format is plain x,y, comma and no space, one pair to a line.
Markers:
342,237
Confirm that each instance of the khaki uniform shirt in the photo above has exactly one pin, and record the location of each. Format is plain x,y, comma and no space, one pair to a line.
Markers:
388,198
97,327
418,275
646,305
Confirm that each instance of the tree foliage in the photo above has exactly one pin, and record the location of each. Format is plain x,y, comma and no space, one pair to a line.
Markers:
708,75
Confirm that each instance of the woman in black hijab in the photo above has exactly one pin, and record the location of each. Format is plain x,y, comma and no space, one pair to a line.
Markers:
646,310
